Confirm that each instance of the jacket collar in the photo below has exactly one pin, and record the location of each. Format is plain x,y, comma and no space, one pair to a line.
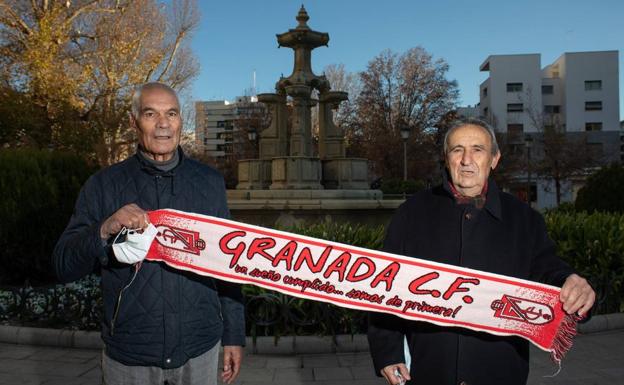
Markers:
493,201
152,170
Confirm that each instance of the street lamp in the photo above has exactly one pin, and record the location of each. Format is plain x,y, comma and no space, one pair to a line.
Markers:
405,133
252,134
528,141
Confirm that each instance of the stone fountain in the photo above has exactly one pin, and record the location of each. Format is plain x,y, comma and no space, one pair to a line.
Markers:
290,182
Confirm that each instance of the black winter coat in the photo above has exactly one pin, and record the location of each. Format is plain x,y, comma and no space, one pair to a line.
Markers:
165,316
505,237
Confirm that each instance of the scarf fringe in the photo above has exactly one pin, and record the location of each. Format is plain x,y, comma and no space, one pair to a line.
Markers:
563,340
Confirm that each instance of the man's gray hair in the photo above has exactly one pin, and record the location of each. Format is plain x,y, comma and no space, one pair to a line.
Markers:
136,97
474,122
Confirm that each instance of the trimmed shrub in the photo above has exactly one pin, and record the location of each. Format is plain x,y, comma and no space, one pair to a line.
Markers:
347,233
593,244
400,186
603,191
276,314
38,190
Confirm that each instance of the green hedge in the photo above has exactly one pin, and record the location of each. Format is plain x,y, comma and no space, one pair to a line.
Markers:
276,314
38,190
603,191
594,245
400,186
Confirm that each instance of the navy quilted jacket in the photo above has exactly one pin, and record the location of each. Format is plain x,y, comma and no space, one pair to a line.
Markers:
166,316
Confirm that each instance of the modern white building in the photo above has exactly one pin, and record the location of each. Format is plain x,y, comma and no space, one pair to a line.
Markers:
214,124
580,88
578,93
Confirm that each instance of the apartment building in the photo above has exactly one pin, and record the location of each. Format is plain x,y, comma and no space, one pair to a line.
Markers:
578,94
216,123
580,90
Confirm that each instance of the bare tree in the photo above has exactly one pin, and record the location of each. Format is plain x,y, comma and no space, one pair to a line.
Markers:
559,155
403,91
346,115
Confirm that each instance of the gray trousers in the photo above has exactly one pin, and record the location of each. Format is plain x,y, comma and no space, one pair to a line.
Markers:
199,370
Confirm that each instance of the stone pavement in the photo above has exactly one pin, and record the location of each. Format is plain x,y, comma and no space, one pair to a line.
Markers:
596,358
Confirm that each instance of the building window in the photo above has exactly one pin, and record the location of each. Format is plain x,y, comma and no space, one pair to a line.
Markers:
514,87
515,129
593,85
227,148
515,107
205,141
593,106
228,136
551,109
547,90
485,111
485,92
593,126
220,124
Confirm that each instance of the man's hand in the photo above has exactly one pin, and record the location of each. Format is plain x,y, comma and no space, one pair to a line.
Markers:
130,216
389,373
577,295
232,357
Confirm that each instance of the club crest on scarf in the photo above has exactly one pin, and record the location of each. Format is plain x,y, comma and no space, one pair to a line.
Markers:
521,309
179,239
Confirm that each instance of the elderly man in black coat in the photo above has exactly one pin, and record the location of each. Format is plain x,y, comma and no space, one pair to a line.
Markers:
467,221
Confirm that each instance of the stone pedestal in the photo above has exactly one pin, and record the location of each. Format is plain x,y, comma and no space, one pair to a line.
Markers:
301,130
345,173
254,174
331,137
295,173
286,208
274,139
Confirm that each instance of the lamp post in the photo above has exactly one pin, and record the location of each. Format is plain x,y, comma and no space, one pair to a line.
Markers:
405,133
252,134
528,140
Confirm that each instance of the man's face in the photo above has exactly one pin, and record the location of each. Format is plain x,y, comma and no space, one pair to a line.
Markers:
469,159
159,124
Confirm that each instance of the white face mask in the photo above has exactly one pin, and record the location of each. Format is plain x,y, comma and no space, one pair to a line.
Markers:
136,246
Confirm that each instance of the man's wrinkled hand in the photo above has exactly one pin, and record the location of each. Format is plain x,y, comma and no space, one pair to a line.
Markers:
577,295
130,216
390,374
232,358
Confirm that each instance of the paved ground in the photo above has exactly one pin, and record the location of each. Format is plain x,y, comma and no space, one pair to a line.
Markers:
596,358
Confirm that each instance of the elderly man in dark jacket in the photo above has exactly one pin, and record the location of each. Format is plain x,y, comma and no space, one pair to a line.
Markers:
160,325
469,222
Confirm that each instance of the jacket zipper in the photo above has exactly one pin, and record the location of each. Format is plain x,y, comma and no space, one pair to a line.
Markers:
137,266
156,179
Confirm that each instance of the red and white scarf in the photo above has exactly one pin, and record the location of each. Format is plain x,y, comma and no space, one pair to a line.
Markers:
363,279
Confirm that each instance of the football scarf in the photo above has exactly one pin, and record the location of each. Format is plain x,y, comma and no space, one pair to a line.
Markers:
362,279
